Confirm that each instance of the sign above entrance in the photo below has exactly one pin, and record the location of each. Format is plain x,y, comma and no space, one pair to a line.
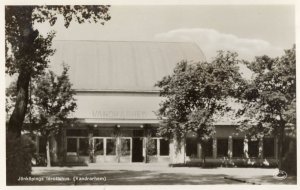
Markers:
122,114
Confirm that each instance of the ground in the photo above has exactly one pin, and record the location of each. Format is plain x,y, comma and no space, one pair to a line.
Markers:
151,174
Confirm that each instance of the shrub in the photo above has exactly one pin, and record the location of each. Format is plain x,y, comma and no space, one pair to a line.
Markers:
19,153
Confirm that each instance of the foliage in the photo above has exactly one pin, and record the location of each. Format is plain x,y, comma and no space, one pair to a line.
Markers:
195,92
27,52
53,101
269,101
18,158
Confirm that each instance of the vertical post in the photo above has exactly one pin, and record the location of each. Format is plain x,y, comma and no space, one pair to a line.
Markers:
91,147
64,141
199,150
158,148
260,148
276,148
214,147
229,154
37,142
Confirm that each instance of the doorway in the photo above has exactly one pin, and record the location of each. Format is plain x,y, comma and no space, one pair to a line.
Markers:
137,149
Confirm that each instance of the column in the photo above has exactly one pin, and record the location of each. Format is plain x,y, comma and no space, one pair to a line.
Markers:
276,147
64,145
214,147
199,150
229,147
91,145
37,142
260,148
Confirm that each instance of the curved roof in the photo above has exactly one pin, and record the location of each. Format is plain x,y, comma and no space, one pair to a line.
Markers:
121,65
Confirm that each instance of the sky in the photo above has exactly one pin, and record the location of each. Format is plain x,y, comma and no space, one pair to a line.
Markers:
250,30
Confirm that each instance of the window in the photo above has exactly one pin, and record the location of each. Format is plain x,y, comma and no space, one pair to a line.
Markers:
42,145
253,148
98,147
71,145
83,147
164,147
208,148
222,147
237,147
268,147
110,146
125,147
191,147
152,147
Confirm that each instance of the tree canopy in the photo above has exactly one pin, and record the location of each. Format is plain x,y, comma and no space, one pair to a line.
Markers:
27,52
195,92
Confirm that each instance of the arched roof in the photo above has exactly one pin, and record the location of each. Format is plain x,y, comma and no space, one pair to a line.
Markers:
121,65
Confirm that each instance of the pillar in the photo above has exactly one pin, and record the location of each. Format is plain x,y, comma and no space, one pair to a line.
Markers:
64,144
229,154
214,148
276,148
199,150
91,145
260,148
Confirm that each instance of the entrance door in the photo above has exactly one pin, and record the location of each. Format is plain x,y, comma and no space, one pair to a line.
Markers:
137,150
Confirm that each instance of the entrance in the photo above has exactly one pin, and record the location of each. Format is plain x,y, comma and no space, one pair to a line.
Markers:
137,150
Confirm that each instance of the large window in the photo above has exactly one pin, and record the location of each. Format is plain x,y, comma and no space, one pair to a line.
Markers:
83,147
222,147
98,147
110,146
164,147
268,147
208,148
253,148
191,147
237,147
72,145
152,147
125,147
42,145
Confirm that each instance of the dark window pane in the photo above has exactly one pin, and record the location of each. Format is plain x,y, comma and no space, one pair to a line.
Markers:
110,146
83,146
42,145
191,147
208,148
253,148
222,147
237,147
152,147
77,132
71,145
268,147
164,147
125,147
98,147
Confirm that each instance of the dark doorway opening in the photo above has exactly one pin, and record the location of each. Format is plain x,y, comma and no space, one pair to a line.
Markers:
137,150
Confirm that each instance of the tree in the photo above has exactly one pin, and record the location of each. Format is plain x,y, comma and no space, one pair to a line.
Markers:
27,52
194,93
269,101
53,100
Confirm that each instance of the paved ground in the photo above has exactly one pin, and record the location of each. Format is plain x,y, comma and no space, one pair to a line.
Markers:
151,174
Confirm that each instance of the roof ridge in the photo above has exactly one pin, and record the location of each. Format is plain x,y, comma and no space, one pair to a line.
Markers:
142,41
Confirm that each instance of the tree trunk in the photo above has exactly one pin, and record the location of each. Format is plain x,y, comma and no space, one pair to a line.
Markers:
203,144
48,151
17,118
280,147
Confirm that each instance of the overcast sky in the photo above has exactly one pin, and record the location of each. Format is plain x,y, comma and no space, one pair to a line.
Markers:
248,30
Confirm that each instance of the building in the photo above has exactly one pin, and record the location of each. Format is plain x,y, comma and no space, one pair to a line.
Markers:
116,98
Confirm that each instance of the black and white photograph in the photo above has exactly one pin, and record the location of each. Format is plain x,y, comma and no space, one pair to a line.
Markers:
112,95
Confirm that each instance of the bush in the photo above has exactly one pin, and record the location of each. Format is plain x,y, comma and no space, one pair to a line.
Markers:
19,153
